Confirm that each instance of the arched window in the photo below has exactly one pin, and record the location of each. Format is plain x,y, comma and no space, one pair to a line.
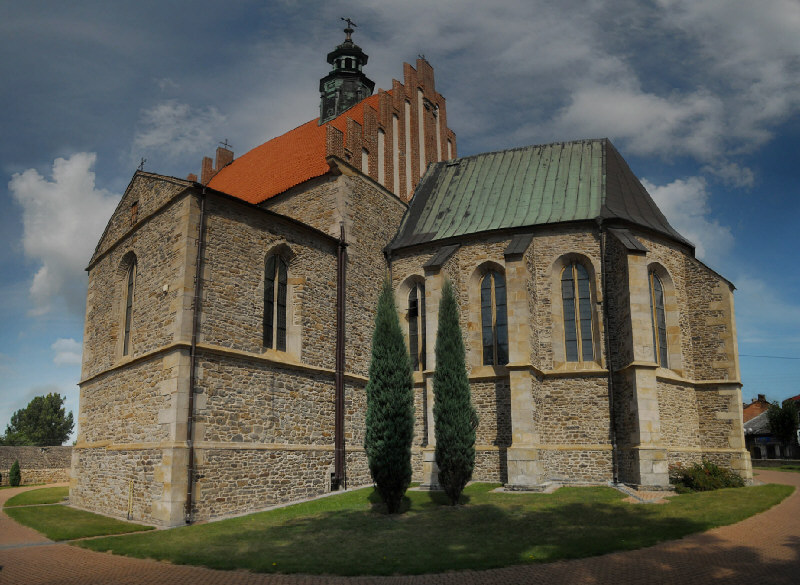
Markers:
576,296
129,282
494,324
275,302
416,325
659,320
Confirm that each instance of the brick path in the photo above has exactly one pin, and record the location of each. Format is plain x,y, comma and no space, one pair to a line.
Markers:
764,549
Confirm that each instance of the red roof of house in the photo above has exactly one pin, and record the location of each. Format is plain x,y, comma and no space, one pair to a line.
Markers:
284,161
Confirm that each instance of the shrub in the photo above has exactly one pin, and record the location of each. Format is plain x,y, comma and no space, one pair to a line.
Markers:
702,477
14,476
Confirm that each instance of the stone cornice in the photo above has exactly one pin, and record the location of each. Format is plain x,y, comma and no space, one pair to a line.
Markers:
270,357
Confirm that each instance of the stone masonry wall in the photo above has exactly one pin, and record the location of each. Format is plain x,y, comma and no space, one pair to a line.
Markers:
36,464
679,415
159,245
149,192
238,240
248,401
111,477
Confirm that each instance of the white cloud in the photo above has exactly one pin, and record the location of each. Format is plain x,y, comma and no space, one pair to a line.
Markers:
62,221
649,124
172,128
731,174
685,203
68,352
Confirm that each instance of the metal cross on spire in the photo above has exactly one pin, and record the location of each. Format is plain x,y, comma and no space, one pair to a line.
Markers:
349,30
141,164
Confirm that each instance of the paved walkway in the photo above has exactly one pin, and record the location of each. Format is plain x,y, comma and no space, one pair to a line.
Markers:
764,549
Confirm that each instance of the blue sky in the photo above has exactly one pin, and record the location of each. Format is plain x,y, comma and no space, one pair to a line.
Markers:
700,96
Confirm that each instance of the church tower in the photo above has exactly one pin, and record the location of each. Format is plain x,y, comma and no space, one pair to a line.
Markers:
346,84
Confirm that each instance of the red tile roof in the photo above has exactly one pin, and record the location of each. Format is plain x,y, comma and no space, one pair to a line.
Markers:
284,161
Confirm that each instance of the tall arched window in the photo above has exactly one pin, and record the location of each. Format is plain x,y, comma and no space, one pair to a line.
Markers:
659,320
416,325
576,296
275,302
494,323
129,282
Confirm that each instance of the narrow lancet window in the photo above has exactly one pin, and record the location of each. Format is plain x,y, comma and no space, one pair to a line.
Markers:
659,321
494,323
126,340
275,302
576,296
416,326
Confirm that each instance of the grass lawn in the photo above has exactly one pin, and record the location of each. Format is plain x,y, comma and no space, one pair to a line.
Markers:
62,522
349,534
52,495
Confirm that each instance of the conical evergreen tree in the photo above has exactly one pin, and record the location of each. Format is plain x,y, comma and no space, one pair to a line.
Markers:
390,405
454,416
14,475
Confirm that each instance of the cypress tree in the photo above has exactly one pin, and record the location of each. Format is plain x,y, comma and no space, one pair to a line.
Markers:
390,405
14,476
454,416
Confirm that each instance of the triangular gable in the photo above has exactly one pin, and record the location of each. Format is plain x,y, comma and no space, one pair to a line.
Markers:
151,191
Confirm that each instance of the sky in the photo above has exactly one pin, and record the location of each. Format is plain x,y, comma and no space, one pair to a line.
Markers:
701,97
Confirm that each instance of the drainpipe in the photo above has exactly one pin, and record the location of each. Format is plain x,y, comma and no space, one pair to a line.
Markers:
604,285
340,473
190,470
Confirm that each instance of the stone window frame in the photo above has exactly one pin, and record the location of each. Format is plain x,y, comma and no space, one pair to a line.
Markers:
475,323
402,301
559,343
293,340
671,314
127,270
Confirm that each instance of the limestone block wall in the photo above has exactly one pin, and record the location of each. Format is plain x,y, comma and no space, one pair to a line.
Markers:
372,218
680,421
238,240
37,464
144,196
370,215
250,401
125,405
316,203
553,248
108,479
492,401
574,426
159,243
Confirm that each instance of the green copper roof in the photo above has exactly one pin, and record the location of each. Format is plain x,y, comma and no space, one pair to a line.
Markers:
530,186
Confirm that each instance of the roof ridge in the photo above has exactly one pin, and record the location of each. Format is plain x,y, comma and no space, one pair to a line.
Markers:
527,147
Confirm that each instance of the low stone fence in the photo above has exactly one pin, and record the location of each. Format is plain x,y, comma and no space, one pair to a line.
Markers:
774,462
36,464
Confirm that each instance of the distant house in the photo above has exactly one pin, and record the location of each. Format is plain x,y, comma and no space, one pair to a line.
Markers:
758,438
756,407
760,442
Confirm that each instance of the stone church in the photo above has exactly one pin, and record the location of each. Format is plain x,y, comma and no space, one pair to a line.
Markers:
229,318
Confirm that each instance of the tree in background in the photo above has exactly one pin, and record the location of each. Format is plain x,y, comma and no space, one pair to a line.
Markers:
783,422
390,405
14,476
454,416
42,423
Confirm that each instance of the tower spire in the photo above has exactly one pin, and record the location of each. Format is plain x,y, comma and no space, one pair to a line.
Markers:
346,84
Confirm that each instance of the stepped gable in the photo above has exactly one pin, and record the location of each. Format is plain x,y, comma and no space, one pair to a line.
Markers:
583,180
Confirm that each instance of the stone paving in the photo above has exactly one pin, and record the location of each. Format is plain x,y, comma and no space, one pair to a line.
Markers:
764,549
